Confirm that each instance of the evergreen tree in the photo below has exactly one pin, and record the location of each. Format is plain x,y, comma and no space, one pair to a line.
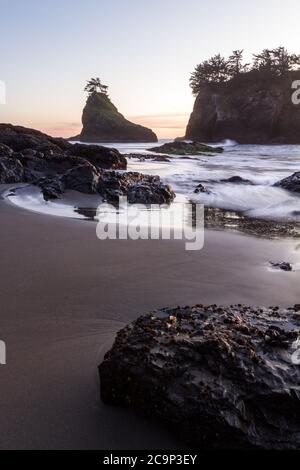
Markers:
272,62
214,70
94,85
263,61
278,62
235,63
284,62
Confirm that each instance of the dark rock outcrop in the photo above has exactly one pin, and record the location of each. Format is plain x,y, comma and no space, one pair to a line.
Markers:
201,189
102,122
231,180
186,148
55,166
5,151
101,157
282,265
11,170
111,185
139,188
20,138
147,156
252,109
291,183
237,180
55,153
52,188
82,178
217,377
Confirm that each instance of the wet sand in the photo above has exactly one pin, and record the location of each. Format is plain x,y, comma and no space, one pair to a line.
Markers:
64,295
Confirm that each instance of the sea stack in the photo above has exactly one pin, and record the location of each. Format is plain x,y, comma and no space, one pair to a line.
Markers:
102,122
252,108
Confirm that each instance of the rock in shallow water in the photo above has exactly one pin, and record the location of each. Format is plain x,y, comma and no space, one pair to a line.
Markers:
291,183
217,377
201,189
186,148
139,188
283,265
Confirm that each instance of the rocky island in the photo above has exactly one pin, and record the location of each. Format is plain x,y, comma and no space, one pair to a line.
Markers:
248,105
102,122
218,377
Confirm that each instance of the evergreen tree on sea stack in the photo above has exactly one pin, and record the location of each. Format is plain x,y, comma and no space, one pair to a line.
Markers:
270,63
277,62
236,64
213,70
94,85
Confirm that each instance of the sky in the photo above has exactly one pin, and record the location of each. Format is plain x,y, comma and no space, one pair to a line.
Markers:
145,50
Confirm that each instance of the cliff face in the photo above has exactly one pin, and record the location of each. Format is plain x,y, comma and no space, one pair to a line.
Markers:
103,123
250,110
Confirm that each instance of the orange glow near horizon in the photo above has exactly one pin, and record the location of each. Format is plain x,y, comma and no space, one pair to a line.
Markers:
168,125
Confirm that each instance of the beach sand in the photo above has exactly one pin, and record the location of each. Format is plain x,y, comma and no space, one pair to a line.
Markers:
64,294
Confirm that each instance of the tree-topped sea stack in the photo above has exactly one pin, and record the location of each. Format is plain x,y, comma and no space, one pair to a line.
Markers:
251,104
102,121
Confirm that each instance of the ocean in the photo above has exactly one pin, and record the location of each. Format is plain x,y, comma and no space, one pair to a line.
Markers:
260,166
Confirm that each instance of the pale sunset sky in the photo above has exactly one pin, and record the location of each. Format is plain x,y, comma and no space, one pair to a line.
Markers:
144,50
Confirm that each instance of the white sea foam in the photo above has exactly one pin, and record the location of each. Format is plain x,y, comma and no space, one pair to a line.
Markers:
261,165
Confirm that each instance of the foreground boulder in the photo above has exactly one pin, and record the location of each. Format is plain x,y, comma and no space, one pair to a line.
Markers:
56,166
101,157
11,171
186,148
111,185
254,108
54,155
19,138
139,188
217,377
291,183
102,122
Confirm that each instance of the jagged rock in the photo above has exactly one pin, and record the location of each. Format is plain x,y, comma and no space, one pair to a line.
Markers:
283,265
11,170
100,157
186,148
146,156
139,188
19,138
56,167
237,180
253,108
291,183
48,165
5,151
102,122
218,377
52,188
83,178
201,189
